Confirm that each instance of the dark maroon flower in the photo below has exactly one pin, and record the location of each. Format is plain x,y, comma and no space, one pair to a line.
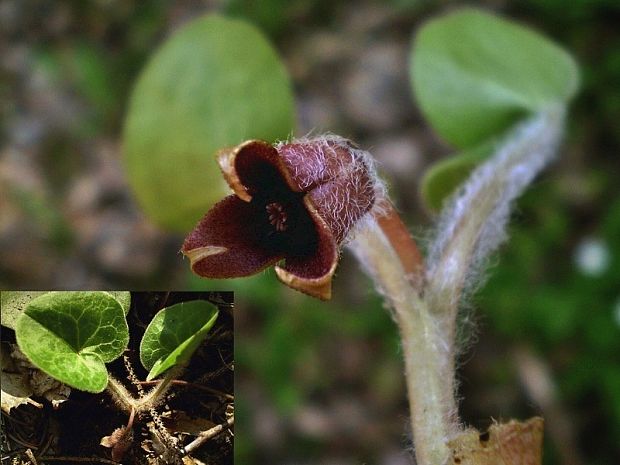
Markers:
293,203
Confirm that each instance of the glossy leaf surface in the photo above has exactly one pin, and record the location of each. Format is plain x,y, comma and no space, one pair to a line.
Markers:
71,335
174,334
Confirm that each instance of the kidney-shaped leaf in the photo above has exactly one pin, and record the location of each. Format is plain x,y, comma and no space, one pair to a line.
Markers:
214,83
174,334
475,74
71,335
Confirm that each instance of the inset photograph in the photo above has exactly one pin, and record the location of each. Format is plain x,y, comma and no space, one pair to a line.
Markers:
117,377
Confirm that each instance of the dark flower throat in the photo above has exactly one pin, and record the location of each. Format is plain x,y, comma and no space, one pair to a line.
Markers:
277,216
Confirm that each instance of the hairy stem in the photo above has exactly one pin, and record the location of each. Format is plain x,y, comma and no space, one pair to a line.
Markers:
428,361
154,397
426,298
121,396
129,403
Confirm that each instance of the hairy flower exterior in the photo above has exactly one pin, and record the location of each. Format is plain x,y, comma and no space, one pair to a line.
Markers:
293,206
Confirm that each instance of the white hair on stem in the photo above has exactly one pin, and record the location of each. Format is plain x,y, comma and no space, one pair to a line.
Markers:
470,228
473,223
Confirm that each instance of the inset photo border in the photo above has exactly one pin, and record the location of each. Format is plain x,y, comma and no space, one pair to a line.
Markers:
117,377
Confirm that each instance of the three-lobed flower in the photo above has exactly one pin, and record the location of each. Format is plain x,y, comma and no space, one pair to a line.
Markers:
293,205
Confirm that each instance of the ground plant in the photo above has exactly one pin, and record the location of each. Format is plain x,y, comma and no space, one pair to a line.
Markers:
71,336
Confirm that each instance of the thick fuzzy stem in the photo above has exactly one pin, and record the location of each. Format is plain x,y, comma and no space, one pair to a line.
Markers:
425,299
156,395
127,402
473,222
428,365
121,395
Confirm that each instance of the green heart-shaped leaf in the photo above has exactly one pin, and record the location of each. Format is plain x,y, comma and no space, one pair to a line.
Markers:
174,334
71,335
475,75
214,83
440,181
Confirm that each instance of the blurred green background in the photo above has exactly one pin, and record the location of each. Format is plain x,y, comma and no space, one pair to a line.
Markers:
317,382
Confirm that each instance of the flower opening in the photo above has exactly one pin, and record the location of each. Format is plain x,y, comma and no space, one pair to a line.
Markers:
293,205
